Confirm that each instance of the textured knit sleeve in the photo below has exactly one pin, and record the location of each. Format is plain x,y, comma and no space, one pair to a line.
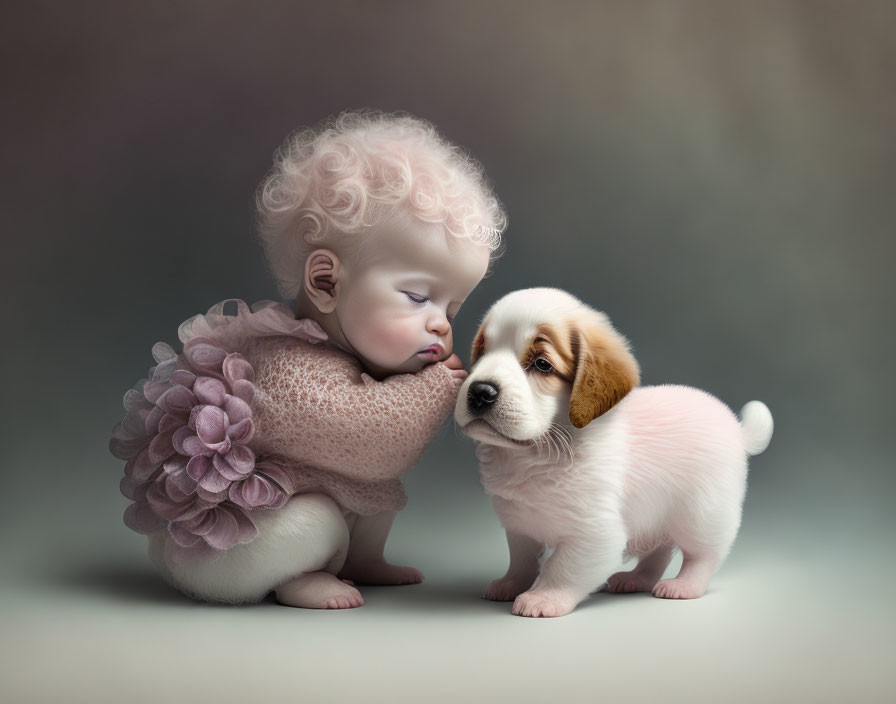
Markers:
315,406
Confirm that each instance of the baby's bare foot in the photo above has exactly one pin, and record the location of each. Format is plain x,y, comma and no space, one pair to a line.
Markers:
381,573
319,590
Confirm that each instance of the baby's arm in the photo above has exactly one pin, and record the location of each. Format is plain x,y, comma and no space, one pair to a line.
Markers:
317,407
456,367
365,562
320,409
387,423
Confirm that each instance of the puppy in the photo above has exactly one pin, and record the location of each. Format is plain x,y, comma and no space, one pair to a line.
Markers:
584,466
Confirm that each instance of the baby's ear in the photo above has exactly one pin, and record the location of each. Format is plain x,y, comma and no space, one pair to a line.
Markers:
605,371
321,280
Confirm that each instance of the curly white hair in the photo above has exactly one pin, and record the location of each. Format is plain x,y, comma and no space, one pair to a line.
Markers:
350,171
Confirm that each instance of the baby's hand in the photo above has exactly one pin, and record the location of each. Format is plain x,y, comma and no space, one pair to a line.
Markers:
456,367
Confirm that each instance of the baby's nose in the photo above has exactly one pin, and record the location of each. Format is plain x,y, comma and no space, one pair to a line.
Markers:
439,324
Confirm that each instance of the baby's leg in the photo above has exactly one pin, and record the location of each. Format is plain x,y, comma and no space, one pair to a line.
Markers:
299,549
365,563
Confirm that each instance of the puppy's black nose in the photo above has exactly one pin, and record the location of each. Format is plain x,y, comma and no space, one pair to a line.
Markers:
481,394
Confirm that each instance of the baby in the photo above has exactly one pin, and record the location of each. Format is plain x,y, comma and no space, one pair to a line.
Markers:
267,455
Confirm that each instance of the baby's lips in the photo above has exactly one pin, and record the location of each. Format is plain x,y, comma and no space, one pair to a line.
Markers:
436,352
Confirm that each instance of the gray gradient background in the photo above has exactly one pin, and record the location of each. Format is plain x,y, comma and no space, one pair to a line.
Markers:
718,177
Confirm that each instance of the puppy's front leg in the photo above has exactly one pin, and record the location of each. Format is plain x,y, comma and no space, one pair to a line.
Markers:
573,571
523,569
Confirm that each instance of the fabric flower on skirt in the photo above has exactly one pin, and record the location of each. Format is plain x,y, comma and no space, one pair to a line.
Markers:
189,467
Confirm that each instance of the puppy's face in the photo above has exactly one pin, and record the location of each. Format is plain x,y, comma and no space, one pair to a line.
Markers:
541,357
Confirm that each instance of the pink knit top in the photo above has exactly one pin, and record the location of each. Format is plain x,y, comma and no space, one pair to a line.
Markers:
337,428
256,409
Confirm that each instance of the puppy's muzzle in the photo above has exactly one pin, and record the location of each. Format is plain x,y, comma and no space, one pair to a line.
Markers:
481,395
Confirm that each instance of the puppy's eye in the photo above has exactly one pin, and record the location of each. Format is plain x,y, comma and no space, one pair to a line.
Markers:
543,365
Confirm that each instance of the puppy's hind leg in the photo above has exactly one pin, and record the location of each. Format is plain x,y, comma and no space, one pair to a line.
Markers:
646,574
704,544
696,570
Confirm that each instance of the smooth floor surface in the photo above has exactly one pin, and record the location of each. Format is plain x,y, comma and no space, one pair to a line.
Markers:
786,619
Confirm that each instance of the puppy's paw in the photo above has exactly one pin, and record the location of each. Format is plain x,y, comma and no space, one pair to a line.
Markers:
628,582
505,589
678,589
544,604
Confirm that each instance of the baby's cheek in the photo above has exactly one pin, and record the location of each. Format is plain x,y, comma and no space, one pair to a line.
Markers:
399,337
375,340
449,344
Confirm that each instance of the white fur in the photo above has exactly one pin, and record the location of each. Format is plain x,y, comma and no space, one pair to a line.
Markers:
309,533
665,467
758,426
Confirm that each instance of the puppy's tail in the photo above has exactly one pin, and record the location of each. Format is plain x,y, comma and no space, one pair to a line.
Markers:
756,425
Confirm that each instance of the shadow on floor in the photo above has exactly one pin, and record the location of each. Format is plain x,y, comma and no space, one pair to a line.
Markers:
434,595
139,584
123,583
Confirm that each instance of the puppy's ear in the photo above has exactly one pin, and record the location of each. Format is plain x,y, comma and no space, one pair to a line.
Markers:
605,371
478,347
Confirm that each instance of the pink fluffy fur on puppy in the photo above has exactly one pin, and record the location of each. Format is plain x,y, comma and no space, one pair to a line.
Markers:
585,466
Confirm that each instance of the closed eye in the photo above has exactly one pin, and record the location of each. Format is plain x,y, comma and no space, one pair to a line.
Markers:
415,297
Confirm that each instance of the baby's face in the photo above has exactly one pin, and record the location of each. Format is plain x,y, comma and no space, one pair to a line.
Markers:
402,291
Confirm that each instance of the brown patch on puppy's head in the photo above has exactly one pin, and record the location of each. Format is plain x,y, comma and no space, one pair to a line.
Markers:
605,370
478,347
551,343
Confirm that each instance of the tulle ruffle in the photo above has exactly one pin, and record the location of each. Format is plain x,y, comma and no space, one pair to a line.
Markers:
262,319
186,435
